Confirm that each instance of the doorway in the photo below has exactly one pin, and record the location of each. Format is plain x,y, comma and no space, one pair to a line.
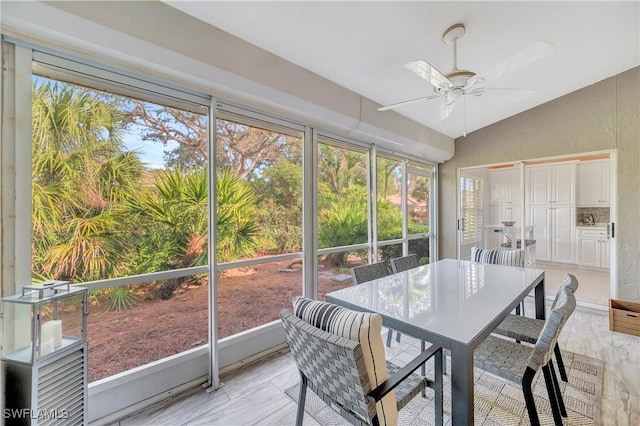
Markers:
568,208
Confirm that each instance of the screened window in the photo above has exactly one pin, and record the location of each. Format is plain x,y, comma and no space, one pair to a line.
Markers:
343,212
259,221
120,189
389,198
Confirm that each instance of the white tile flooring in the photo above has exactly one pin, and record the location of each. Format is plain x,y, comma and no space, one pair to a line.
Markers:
256,395
594,285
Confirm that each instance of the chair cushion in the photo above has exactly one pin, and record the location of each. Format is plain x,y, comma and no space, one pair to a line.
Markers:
362,327
498,257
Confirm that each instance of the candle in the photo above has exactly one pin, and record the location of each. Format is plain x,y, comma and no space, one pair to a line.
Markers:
52,329
46,346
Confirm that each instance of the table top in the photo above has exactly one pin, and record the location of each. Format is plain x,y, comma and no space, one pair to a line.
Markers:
454,299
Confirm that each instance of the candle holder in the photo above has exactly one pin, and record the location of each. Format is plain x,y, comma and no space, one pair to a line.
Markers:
43,353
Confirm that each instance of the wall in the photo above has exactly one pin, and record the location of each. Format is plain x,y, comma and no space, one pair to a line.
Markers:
603,116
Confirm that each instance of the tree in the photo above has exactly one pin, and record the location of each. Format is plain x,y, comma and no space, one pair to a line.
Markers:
80,171
343,222
166,125
340,168
241,148
387,171
279,211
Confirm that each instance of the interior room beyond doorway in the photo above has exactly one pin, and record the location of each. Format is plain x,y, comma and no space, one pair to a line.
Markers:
566,205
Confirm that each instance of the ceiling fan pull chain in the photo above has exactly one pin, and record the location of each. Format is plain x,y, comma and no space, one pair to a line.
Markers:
444,122
464,116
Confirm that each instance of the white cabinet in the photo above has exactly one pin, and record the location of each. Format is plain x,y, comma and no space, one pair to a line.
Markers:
552,184
593,184
504,187
552,211
505,202
554,232
593,247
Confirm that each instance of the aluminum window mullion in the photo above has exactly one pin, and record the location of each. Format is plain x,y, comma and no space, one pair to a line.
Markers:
433,216
143,278
257,261
214,365
404,207
372,204
339,249
310,213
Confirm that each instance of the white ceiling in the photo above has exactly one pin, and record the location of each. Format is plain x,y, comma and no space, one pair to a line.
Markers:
363,46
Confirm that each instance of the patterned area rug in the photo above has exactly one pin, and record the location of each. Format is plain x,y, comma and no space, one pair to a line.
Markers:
497,401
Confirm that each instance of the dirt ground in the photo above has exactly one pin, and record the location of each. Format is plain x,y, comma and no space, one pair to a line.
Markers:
154,329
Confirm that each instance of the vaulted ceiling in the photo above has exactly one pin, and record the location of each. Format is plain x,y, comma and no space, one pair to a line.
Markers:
363,46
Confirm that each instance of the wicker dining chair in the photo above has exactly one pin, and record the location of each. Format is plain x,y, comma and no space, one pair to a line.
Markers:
340,370
400,264
372,271
506,257
520,363
528,330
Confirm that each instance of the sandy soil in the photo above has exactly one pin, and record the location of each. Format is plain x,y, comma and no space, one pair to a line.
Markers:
154,329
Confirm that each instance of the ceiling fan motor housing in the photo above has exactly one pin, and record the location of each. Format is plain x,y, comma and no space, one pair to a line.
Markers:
459,78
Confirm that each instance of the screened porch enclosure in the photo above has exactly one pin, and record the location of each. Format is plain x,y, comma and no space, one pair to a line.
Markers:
186,282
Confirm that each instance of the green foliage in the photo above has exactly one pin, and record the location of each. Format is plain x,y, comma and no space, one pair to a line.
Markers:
389,221
342,223
236,212
80,171
341,169
279,211
121,299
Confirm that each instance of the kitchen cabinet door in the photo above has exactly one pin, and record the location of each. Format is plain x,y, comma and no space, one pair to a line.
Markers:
540,218
504,187
604,253
563,184
563,226
593,184
588,252
539,185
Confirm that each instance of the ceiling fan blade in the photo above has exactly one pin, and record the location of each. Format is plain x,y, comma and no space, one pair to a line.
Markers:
520,59
512,95
411,101
425,70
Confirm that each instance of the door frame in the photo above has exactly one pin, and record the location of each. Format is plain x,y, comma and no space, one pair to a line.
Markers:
613,206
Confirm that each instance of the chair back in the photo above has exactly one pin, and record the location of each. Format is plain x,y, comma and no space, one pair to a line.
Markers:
505,257
364,273
570,282
566,304
400,264
333,366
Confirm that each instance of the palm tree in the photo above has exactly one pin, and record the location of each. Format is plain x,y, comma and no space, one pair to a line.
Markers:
80,173
173,211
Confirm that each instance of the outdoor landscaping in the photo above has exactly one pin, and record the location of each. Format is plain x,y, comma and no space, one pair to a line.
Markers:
121,188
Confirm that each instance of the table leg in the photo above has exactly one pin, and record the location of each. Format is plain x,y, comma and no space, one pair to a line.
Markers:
439,399
540,303
461,385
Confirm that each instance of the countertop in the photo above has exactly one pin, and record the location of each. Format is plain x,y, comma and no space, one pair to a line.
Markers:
596,226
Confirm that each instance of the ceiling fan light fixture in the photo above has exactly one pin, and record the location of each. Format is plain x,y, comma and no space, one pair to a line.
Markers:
460,77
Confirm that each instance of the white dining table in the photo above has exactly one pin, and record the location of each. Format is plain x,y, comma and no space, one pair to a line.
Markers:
451,303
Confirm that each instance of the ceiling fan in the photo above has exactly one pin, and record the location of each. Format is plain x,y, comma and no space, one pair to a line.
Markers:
459,83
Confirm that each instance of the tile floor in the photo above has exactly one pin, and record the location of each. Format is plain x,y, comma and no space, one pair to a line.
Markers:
594,285
256,395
